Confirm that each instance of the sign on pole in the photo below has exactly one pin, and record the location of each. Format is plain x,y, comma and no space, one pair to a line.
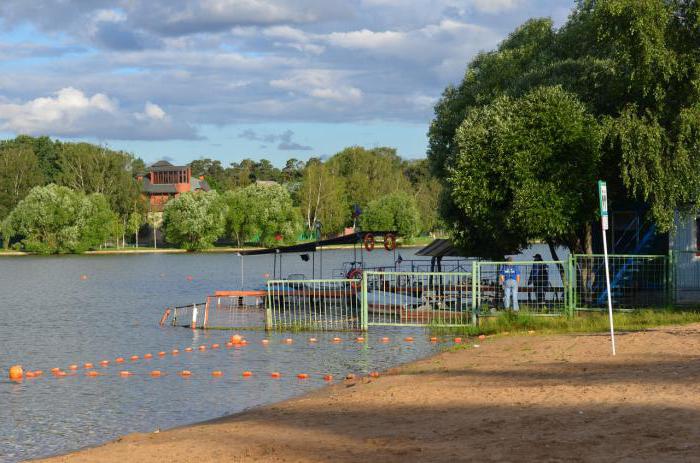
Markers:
603,195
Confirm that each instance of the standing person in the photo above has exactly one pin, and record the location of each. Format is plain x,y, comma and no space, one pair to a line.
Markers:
539,279
509,278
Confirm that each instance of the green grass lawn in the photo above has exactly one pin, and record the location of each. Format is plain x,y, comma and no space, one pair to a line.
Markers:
596,322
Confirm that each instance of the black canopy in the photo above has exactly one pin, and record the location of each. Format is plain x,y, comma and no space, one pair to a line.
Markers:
352,238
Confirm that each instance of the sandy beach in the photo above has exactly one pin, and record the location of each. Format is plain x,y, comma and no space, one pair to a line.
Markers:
514,398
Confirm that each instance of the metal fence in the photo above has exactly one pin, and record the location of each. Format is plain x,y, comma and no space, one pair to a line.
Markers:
323,305
191,315
685,277
417,298
236,309
541,287
636,281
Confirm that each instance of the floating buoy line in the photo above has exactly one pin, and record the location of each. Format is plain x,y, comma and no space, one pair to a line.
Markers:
17,372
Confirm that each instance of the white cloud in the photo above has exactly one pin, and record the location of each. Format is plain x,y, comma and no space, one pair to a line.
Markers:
496,6
70,112
322,84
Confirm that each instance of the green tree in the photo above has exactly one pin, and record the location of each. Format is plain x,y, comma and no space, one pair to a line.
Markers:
133,225
19,173
264,212
511,180
322,198
394,212
427,191
368,174
56,219
633,65
95,169
193,221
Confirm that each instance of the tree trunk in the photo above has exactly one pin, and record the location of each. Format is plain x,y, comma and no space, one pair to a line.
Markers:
555,256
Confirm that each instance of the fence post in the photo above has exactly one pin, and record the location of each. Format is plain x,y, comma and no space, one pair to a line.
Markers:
268,309
365,312
475,284
572,285
670,293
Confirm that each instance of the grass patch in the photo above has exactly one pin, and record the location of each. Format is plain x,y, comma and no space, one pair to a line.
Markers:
591,322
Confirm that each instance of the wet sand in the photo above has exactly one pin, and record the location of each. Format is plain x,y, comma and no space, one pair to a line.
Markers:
514,398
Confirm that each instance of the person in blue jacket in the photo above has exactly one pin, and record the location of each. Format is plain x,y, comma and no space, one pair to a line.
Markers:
509,278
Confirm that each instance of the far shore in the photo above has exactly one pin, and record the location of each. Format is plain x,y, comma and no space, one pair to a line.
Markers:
506,398
127,251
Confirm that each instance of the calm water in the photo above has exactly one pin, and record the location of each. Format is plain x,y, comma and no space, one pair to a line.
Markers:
52,318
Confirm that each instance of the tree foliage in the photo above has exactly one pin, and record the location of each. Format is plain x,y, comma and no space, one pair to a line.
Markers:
322,198
394,212
55,219
633,64
193,221
262,212
19,173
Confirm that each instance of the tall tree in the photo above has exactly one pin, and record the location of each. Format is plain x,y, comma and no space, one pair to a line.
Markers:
635,67
394,212
193,221
19,172
322,198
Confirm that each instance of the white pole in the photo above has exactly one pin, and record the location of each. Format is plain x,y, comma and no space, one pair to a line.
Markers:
607,282
241,271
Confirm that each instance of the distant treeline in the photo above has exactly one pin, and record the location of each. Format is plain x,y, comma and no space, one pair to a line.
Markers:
69,197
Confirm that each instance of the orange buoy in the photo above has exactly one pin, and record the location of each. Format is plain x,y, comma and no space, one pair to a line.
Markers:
161,354
104,363
202,347
189,277
38,372
124,373
303,376
83,277
337,340
148,356
119,360
266,275
88,365
433,339
185,373
92,373
29,374
482,336
313,339
385,339
214,346
458,340
188,349
55,369
374,374
265,341
217,373
275,374
134,358
175,352
289,340
247,374
60,373
328,378
229,345
243,342
360,339
408,339
235,339
73,367
156,373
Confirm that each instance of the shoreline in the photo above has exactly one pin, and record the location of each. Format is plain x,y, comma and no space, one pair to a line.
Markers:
521,397
105,252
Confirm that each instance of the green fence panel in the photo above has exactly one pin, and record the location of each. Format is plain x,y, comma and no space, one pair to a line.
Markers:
636,281
542,287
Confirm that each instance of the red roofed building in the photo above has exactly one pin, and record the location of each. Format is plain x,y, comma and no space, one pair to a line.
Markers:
164,181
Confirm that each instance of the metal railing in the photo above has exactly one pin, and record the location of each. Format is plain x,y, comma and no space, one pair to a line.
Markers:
540,287
323,305
635,281
417,298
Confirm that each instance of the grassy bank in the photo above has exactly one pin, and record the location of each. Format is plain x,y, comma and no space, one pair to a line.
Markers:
511,322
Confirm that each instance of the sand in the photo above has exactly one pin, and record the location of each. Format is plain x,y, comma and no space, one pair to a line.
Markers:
514,398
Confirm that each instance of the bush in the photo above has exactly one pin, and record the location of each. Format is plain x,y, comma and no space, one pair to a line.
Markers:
394,212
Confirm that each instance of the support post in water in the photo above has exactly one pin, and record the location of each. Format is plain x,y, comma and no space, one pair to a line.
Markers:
194,316
603,195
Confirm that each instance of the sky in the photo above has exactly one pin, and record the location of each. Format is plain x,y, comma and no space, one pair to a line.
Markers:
234,79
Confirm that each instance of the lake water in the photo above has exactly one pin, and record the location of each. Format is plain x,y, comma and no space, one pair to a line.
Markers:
54,318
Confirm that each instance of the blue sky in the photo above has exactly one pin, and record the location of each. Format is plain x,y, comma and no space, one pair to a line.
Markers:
230,79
